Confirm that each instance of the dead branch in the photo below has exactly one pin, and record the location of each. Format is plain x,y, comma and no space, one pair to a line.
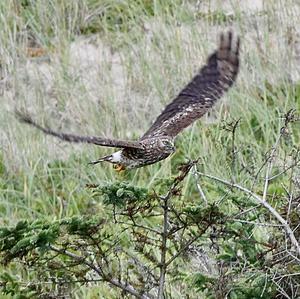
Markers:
125,287
185,169
265,204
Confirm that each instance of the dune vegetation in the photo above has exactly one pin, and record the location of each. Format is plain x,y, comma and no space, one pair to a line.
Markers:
218,219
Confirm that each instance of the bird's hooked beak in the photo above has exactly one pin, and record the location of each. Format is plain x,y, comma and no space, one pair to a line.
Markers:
173,148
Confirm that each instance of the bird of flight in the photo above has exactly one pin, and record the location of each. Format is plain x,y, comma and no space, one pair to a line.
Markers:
200,94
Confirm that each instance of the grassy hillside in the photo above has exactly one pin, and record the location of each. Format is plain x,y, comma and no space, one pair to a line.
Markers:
108,68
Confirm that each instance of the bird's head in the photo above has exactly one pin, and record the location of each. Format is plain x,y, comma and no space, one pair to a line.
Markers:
167,145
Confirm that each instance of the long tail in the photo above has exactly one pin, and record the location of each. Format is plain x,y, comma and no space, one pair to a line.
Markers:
103,159
26,118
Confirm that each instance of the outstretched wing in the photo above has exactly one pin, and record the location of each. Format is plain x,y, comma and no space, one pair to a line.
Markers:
212,81
25,118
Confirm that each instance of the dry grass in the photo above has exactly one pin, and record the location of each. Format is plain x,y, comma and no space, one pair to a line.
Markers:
115,82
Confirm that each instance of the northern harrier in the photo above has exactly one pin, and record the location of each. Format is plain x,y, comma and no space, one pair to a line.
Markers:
211,82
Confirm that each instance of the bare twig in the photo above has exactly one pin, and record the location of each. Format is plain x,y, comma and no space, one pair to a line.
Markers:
163,265
125,287
256,223
134,224
186,246
232,127
185,169
288,118
270,166
199,188
265,204
284,171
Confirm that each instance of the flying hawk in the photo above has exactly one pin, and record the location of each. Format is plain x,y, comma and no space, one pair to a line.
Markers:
209,84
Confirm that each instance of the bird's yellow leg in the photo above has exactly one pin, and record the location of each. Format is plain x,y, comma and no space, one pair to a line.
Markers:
119,167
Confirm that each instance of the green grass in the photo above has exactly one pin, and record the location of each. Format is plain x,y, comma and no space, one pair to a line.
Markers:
109,68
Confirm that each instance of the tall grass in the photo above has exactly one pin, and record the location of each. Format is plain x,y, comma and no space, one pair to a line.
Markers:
109,67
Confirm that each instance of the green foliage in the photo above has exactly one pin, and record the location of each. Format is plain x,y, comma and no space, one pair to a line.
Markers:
122,194
56,173
256,286
2,166
25,237
218,17
203,282
63,246
22,239
123,15
12,286
90,17
219,243
81,226
209,214
31,242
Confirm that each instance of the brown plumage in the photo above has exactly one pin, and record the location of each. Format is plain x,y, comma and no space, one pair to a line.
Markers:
211,82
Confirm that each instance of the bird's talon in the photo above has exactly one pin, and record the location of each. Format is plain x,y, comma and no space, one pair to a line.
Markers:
119,167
